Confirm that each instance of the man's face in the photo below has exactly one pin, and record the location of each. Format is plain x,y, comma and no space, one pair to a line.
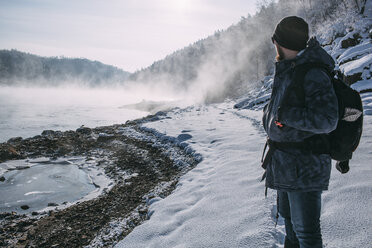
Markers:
279,52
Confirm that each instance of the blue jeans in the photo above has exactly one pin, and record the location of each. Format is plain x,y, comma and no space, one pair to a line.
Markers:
301,213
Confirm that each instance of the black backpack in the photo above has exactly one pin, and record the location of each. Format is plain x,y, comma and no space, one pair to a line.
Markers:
344,140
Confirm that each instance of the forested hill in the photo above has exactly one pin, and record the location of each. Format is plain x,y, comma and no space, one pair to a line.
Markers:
19,68
234,61
227,64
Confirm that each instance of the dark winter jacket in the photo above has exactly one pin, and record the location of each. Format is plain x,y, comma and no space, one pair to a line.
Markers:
292,169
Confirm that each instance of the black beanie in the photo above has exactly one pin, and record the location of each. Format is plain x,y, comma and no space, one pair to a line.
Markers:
292,32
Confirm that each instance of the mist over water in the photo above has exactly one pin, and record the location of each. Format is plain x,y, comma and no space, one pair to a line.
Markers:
222,66
27,112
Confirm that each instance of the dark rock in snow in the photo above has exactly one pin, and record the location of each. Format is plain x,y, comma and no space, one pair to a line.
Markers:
183,137
52,204
353,78
2,179
183,145
352,41
161,113
25,207
186,131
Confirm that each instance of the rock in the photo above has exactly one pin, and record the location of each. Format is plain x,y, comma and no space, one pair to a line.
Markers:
105,137
142,211
13,151
14,140
62,150
2,179
52,204
183,137
47,133
183,145
352,41
84,130
161,113
353,78
34,213
22,239
25,207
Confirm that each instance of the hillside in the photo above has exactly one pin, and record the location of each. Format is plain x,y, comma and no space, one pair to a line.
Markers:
347,38
233,61
19,68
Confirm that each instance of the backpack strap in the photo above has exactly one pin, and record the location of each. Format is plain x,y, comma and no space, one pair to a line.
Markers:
300,73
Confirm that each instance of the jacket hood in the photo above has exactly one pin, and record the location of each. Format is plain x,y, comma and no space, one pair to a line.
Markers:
312,53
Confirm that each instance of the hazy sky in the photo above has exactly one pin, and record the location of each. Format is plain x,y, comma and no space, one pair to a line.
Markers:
129,34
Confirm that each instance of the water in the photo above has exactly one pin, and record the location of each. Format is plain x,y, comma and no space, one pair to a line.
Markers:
42,183
27,112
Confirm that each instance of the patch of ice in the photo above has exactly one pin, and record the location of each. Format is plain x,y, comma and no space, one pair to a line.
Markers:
94,174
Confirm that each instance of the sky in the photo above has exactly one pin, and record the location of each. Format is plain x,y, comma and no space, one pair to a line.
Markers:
129,34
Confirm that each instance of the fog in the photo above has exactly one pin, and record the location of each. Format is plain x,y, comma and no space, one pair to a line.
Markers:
81,96
27,112
222,66
234,61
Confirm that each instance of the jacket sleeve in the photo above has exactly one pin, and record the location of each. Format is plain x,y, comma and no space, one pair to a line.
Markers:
320,114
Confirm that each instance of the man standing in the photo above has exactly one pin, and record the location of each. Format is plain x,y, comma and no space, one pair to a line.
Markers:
294,125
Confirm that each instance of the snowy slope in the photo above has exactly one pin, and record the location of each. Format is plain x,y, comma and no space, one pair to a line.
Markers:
354,62
221,202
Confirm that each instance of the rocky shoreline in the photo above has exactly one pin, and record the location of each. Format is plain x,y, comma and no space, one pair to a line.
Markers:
121,150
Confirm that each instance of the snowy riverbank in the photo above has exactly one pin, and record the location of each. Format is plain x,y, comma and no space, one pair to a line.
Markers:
129,169
221,202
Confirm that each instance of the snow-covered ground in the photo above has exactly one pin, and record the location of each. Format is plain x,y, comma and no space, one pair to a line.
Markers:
221,202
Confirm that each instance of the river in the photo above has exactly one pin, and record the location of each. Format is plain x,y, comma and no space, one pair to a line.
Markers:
26,112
